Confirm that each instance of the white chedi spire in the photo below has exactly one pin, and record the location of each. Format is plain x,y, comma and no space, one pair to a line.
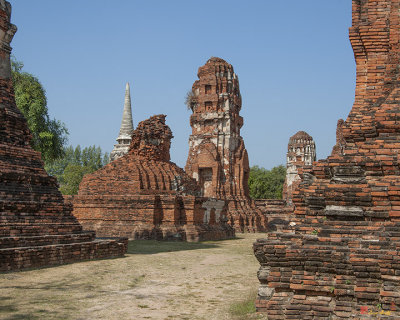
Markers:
125,132
126,129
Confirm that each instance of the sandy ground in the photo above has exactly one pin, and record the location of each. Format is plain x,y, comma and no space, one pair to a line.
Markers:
156,280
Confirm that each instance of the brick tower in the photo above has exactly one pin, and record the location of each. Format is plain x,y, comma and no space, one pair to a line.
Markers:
217,157
301,153
339,257
36,227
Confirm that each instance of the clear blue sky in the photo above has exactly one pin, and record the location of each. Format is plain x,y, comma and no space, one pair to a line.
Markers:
293,59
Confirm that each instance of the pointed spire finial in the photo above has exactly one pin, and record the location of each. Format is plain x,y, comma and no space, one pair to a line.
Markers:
125,132
127,124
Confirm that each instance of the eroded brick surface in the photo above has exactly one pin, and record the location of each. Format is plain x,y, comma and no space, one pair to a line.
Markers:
217,157
36,227
339,256
143,195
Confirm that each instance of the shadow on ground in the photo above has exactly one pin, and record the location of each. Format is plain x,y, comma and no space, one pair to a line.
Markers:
34,315
153,246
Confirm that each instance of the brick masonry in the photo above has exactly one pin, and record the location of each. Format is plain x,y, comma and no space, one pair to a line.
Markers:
217,157
143,195
339,255
36,228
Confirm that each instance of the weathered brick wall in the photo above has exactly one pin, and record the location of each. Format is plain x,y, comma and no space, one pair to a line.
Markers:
217,157
143,195
339,256
33,216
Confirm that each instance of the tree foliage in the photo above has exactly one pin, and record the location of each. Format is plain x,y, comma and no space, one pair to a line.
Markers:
76,162
49,136
266,184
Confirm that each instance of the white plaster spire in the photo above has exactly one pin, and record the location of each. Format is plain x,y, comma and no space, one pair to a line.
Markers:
125,132
126,129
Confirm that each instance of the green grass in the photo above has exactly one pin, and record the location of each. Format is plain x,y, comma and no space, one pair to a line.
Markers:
246,308
243,308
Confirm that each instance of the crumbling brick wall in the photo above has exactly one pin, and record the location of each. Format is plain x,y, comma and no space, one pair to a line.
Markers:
339,256
143,195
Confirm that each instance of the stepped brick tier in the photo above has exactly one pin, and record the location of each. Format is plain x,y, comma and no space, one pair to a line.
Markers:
301,153
339,256
125,132
217,157
36,228
143,195
277,212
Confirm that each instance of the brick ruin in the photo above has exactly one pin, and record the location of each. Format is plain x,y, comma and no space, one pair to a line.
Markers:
36,228
217,157
143,195
124,137
339,256
301,153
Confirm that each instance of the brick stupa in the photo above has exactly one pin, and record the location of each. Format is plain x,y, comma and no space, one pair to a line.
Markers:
36,228
143,195
217,157
339,257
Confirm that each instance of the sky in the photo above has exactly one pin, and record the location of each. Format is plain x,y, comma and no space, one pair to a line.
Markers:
293,58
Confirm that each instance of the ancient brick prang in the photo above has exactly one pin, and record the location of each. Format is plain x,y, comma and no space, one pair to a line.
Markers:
217,157
143,195
36,228
339,256
301,153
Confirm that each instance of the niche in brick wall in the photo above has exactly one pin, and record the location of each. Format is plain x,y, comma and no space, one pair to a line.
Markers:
206,181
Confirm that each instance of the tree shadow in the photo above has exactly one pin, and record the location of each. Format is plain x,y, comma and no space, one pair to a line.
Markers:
154,246
34,315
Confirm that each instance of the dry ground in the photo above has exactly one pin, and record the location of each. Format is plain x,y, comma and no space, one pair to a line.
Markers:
156,280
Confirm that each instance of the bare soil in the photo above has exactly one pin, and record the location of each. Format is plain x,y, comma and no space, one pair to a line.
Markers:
156,280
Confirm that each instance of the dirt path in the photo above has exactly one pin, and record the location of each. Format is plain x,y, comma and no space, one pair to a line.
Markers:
156,280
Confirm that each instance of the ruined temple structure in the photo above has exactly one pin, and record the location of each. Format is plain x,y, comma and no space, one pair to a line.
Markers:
217,157
339,256
301,153
143,195
36,228
125,132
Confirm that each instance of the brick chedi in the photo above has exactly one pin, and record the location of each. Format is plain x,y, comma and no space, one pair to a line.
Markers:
217,157
125,132
143,195
339,257
301,153
36,228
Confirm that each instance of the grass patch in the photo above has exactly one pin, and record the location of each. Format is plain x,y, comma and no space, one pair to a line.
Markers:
246,308
243,308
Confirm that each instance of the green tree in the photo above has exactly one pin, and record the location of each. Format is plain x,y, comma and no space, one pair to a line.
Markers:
266,184
72,177
76,162
49,136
